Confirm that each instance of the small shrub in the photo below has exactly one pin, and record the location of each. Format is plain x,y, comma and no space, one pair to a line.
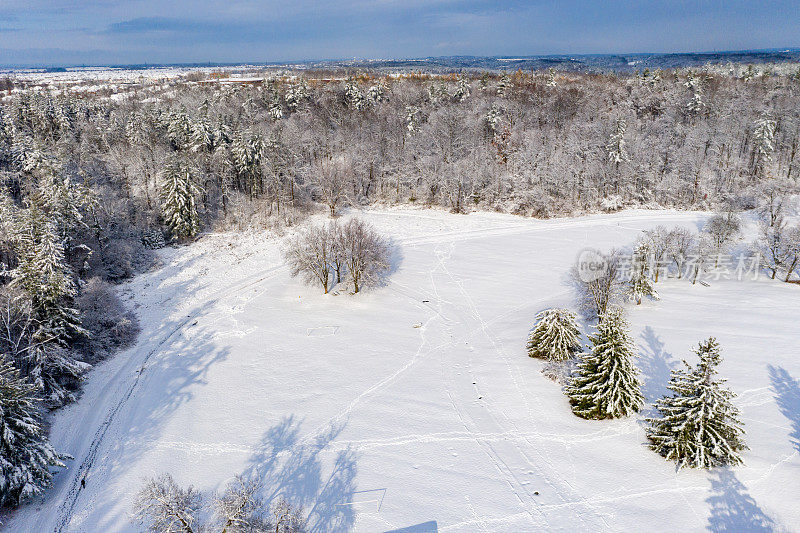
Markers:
111,326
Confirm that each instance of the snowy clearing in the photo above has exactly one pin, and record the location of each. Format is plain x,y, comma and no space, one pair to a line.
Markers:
372,424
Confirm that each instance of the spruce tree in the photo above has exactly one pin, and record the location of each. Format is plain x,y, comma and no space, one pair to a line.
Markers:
555,337
178,197
26,456
699,426
44,275
606,384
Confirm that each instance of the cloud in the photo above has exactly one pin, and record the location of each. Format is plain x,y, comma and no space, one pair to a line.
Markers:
150,24
276,30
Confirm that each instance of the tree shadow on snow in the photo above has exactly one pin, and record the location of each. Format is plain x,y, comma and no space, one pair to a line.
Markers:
295,469
173,367
732,508
394,260
787,395
655,364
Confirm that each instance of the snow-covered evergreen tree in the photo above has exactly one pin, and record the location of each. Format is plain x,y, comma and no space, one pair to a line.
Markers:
178,197
377,93
698,425
551,77
45,277
203,137
640,283
65,202
296,94
179,129
494,117
247,152
696,103
353,95
606,384
763,144
556,336
462,89
26,456
617,153
504,86
411,118
275,110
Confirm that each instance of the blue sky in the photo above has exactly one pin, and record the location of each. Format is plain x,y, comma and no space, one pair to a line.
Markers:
57,32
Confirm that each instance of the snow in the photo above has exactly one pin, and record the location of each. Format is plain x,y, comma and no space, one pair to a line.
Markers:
373,424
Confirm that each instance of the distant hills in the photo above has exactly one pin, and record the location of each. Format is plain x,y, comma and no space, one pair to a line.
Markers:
584,63
576,62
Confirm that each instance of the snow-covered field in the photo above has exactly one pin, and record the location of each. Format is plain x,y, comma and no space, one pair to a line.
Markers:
342,404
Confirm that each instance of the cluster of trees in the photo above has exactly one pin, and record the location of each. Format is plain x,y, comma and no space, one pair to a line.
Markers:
351,253
59,249
163,506
684,254
778,242
193,155
697,425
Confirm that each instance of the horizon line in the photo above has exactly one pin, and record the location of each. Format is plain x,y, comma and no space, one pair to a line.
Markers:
522,57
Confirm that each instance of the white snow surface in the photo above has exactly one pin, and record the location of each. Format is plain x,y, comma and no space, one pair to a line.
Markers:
338,402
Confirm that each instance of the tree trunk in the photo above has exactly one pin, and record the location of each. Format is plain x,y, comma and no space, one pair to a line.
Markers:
791,269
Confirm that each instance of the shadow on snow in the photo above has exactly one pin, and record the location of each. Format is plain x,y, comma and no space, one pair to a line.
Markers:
732,508
787,395
295,469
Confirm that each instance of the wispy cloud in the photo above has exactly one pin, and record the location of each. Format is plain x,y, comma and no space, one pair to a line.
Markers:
276,30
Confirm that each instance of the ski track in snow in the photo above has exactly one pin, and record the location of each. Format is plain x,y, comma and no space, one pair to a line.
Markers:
65,510
509,448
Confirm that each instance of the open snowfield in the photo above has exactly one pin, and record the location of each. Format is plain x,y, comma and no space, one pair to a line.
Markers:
343,405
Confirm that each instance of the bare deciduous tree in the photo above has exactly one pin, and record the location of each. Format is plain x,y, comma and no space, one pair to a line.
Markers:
366,253
309,255
240,508
287,518
354,249
793,248
721,230
681,243
166,507
597,295
333,178
658,241
338,255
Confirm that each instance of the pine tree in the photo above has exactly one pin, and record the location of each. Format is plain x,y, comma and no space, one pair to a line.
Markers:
353,95
696,104
26,456
377,93
551,77
504,86
556,336
617,153
179,129
607,384
462,89
641,284
43,274
763,144
699,426
178,195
